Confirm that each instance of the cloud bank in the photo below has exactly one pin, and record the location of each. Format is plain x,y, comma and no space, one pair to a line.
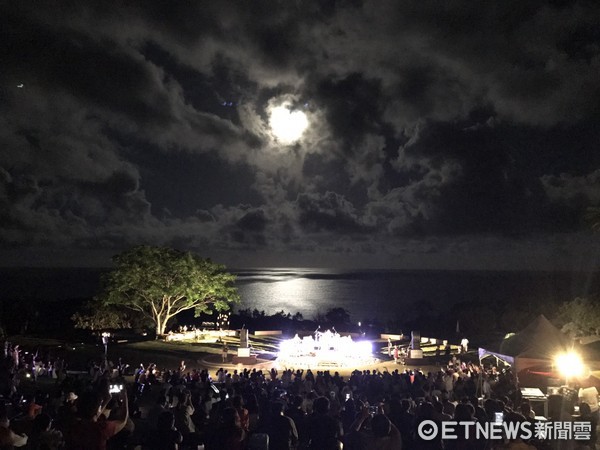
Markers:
452,135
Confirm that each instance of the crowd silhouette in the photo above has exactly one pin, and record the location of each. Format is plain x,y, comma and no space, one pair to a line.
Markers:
248,408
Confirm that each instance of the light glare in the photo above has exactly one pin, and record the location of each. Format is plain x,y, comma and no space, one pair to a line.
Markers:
287,125
327,348
569,365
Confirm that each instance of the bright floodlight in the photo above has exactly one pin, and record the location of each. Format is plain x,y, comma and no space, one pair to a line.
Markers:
363,349
326,348
287,125
569,364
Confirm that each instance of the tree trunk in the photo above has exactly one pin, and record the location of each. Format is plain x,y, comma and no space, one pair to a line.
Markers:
160,327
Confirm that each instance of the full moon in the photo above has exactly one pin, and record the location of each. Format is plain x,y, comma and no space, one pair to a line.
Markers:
287,126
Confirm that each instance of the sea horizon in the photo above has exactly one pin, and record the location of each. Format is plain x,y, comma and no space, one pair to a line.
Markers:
365,294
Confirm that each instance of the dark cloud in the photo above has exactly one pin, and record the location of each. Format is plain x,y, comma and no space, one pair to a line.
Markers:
353,105
436,130
74,63
253,221
328,212
497,182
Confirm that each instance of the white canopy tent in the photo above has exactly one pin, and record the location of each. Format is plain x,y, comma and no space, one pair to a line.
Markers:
537,344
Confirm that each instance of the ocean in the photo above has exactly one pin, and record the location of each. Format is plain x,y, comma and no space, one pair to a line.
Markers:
364,294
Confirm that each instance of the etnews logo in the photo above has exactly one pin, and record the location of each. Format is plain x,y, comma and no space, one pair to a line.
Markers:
579,431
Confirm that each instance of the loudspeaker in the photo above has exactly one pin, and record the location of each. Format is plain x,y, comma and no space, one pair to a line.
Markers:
415,341
244,338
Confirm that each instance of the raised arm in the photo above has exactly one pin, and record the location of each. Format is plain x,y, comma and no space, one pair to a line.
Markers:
121,424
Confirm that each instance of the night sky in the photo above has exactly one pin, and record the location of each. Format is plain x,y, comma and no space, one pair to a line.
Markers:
441,134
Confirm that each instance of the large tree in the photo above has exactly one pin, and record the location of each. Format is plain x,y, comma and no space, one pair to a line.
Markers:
161,282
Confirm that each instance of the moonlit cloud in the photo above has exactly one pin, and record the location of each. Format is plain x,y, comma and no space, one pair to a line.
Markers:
432,131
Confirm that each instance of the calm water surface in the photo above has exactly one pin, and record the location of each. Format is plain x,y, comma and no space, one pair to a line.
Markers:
384,294
365,294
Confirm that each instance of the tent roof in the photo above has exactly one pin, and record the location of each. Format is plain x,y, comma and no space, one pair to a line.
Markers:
483,352
540,339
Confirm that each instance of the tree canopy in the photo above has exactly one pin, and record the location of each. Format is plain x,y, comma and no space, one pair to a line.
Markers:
161,282
580,316
95,316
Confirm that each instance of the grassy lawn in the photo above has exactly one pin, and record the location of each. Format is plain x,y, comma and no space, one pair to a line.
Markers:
197,355
31,342
260,344
167,355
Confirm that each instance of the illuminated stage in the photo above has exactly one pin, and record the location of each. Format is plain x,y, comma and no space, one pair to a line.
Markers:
326,349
